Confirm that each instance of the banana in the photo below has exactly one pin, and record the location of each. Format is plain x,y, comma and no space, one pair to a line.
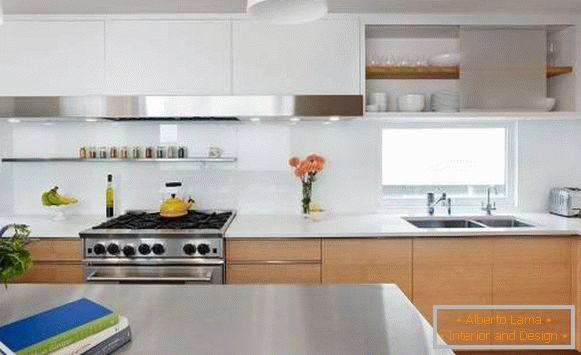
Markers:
45,201
53,198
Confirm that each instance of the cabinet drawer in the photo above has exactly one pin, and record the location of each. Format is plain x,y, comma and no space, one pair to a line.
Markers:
273,250
55,250
363,261
53,274
273,274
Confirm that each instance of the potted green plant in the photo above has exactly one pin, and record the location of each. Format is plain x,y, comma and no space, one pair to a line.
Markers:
15,259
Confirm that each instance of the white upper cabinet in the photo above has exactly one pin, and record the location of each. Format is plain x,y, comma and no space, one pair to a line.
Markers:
168,57
316,58
51,58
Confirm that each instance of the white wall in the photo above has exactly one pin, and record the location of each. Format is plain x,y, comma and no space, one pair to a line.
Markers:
260,182
6,181
549,155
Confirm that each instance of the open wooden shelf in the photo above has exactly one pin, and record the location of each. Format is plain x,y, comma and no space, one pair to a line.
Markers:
427,72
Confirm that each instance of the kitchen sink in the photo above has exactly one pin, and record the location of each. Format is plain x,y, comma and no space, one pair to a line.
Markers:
443,223
503,223
467,222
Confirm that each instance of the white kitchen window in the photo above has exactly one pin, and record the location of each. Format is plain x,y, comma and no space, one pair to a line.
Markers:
461,160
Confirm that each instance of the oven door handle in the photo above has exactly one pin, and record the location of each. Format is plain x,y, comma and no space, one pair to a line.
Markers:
94,277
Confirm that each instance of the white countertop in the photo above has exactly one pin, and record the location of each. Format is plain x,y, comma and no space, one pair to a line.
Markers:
46,227
383,225
326,226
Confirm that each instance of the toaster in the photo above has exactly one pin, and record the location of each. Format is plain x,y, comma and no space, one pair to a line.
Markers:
565,201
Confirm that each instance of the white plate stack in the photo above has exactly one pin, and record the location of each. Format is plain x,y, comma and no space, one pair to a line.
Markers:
445,101
377,102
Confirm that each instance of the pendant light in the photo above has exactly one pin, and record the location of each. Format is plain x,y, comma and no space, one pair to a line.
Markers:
287,11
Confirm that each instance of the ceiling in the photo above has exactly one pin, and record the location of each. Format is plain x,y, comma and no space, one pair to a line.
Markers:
26,7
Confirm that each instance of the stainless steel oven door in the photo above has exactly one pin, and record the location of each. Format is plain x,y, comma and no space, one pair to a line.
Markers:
132,274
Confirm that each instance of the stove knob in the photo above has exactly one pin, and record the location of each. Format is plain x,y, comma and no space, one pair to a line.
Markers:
128,250
189,249
99,249
113,249
158,249
203,249
144,249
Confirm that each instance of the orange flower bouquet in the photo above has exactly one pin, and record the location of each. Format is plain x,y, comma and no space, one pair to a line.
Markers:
306,170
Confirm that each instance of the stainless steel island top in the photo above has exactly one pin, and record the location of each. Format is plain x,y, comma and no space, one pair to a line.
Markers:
225,319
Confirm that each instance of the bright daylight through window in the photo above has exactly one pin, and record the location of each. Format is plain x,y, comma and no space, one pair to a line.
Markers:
461,161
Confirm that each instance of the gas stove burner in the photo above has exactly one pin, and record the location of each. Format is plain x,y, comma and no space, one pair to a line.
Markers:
193,220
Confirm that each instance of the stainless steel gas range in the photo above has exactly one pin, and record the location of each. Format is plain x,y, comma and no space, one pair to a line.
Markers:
142,247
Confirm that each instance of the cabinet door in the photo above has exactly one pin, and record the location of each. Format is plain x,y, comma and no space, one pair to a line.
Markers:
169,57
532,270
51,58
363,261
315,58
452,271
273,274
53,273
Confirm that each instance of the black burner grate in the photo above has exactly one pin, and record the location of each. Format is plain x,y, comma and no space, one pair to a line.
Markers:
193,220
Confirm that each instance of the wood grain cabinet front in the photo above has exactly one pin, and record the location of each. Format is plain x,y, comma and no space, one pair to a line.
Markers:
451,271
273,274
273,261
54,261
361,261
532,270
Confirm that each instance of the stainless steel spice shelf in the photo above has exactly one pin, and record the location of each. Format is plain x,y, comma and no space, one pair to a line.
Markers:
79,160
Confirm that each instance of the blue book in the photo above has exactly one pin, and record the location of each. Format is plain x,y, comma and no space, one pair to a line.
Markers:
56,328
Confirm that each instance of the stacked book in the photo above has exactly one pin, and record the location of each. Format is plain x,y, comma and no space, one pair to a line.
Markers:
79,327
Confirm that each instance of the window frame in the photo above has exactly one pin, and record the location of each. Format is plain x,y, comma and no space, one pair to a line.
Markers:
509,200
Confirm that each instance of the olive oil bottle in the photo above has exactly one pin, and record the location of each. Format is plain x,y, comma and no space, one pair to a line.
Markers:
109,197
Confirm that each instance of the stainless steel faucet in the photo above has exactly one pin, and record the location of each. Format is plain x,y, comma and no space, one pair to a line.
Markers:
489,206
431,202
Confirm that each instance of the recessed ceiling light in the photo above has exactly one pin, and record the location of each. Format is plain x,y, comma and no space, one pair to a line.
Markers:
14,120
334,118
91,120
294,119
255,119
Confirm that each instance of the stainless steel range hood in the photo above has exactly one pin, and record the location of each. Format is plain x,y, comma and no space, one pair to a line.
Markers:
136,108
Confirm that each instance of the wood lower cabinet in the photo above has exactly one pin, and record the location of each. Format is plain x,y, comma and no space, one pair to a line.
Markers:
57,273
576,280
54,261
357,261
273,274
451,271
279,261
532,270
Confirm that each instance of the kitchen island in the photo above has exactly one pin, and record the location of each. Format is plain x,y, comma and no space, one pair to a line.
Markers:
367,319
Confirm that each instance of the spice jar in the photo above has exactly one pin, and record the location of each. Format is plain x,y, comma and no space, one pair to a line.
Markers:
135,153
124,153
160,152
113,153
83,153
172,152
103,153
182,152
148,152
92,153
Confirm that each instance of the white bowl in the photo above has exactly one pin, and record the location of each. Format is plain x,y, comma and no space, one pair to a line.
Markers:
444,60
550,103
411,103
371,108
